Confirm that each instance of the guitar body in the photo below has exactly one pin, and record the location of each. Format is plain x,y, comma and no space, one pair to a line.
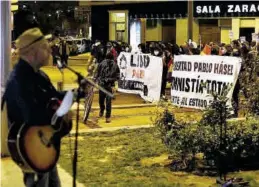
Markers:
36,149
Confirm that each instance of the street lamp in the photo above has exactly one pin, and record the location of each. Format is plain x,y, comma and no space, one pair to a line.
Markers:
57,12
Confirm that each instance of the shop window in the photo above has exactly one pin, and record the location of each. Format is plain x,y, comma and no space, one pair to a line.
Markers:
247,32
118,26
151,23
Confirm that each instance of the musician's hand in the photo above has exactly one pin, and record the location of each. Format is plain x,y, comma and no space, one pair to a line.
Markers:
113,90
67,117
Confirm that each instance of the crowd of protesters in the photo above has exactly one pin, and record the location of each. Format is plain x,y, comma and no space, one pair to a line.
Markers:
166,50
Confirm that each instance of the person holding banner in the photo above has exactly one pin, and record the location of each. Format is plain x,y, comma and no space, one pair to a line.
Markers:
111,49
157,51
228,50
167,59
236,48
107,73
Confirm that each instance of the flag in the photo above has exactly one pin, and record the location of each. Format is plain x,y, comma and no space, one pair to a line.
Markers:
206,50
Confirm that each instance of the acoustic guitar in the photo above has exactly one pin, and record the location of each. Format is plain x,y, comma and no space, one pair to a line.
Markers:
36,149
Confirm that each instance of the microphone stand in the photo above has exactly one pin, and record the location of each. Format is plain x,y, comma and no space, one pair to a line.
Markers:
62,78
80,91
60,68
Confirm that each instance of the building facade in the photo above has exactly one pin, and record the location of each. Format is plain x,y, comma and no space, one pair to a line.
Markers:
137,22
83,13
224,21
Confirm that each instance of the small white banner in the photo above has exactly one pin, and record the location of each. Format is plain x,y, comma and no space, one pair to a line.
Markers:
195,77
255,37
242,39
140,74
231,34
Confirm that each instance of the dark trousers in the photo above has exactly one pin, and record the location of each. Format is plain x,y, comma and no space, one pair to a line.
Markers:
102,98
235,98
64,59
164,81
54,61
50,179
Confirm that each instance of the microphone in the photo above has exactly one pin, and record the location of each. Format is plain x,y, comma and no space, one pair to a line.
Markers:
82,81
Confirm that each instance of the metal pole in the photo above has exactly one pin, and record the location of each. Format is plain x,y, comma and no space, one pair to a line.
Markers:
190,19
5,59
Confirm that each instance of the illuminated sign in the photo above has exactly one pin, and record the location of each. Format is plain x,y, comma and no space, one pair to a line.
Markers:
223,9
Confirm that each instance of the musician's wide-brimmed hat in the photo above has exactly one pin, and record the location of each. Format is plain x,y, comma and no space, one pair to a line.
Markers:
31,38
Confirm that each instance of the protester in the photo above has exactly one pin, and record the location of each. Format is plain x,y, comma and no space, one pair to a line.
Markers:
157,51
194,48
167,59
64,51
111,49
247,51
107,73
98,51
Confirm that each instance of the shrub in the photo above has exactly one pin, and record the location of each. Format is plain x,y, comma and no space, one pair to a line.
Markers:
248,79
226,145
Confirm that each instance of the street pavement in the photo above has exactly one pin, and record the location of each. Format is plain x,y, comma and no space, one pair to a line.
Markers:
127,110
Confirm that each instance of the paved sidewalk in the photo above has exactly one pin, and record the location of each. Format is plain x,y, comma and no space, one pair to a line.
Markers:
11,175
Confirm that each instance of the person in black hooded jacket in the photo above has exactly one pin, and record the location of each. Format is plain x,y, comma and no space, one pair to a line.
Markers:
107,73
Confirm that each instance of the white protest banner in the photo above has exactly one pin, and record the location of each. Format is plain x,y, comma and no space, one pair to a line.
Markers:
195,77
140,74
254,36
242,39
231,34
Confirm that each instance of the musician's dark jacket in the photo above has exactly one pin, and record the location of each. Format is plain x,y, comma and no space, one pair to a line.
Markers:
27,95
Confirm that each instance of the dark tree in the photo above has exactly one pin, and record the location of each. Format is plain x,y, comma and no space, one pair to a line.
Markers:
48,15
